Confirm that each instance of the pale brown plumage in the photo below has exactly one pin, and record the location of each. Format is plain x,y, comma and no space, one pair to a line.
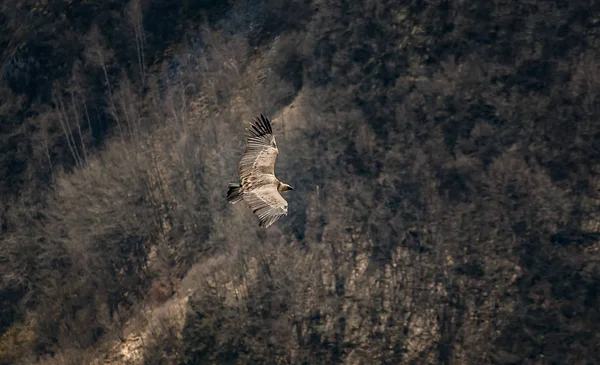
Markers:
259,187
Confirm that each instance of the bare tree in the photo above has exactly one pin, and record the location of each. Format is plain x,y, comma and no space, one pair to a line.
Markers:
99,55
135,17
63,117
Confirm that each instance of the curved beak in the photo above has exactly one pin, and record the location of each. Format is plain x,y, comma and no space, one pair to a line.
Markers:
290,188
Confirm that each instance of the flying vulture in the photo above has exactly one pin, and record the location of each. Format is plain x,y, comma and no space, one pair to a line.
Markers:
259,187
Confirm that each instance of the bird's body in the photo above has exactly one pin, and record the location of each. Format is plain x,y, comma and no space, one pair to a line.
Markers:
259,187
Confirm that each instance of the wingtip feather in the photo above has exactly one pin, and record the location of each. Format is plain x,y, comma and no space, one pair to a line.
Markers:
260,126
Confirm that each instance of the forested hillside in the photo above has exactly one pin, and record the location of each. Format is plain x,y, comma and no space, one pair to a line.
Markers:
445,157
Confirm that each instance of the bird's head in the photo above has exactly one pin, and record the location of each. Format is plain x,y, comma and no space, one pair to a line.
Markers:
284,187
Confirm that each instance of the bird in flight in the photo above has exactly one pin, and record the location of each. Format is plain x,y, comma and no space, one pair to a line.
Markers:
259,187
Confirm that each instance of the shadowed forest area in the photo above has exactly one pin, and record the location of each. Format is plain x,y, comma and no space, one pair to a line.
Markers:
445,157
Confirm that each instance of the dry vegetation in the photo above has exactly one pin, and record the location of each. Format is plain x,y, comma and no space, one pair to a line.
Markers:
445,156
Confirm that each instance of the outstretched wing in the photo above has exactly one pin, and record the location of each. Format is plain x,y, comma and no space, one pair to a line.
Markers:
266,202
261,149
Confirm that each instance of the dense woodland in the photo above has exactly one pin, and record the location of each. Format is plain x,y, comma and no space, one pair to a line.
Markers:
445,157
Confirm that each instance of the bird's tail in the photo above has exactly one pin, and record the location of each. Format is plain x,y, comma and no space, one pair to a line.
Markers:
234,193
